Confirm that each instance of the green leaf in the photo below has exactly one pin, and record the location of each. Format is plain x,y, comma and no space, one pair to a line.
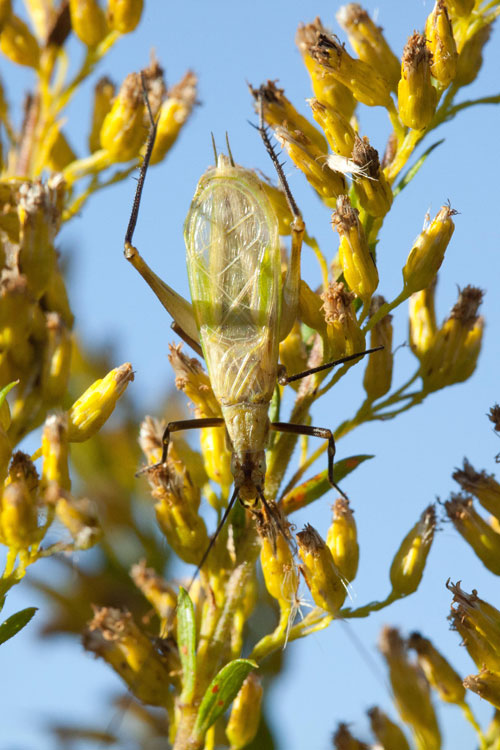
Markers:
15,623
186,639
4,391
318,485
221,692
412,171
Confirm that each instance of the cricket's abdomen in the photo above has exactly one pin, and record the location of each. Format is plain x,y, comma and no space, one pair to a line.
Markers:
234,269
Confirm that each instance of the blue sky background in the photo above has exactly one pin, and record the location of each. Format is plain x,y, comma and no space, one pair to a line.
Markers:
326,679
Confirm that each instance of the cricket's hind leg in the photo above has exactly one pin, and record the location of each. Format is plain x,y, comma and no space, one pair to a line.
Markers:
322,432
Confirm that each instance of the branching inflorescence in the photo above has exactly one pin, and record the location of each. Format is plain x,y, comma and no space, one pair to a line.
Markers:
198,671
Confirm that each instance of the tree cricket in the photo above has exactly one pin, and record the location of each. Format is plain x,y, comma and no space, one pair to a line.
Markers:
240,311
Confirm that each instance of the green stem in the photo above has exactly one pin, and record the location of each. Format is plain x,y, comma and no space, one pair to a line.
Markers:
277,638
467,711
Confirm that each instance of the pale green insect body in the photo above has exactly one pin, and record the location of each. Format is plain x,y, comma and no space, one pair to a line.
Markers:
234,269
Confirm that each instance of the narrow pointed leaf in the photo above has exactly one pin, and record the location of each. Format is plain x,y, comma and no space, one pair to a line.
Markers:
318,485
15,623
5,390
186,639
221,692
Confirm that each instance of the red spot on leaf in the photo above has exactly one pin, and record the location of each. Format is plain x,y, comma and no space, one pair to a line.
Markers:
215,688
351,463
184,650
220,703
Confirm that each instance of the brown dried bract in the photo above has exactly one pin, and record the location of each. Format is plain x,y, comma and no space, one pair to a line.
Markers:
337,302
366,157
416,52
467,305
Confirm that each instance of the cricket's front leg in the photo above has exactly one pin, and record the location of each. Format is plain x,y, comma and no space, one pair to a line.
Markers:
180,310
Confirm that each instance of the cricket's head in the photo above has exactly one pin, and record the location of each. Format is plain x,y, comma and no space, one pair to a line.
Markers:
249,470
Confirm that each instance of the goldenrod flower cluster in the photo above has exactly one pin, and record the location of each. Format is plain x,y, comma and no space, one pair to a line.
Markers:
211,694
45,380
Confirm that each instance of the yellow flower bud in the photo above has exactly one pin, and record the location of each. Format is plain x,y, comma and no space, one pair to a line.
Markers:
468,354
92,409
411,691
244,719
326,87
191,379
461,8
439,672
428,251
280,207
486,684
368,41
41,16
124,15
342,539
342,328
483,539
56,360
417,97
422,319
367,85
39,211
378,372
174,112
216,456
123,131
17,312
177,501
55,452
159,594
360,271
340,135
88,21
478,623
454,351
280,112
18,505
481,485
372,187
278,567
18,43
441,42
78,516
114,636
323,578
408,565
312,162
293,353
104,93
470,58
389,735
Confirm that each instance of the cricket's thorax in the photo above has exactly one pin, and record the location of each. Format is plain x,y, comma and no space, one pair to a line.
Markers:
247,426
234,270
